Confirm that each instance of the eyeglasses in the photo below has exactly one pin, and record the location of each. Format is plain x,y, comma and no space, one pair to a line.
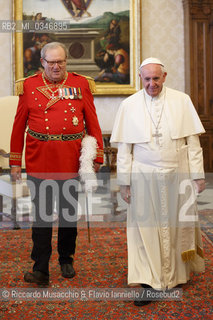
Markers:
60,63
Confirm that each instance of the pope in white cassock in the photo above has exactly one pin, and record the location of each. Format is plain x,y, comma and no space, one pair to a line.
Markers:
160,171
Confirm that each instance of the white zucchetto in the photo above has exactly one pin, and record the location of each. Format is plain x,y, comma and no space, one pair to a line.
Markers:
151,60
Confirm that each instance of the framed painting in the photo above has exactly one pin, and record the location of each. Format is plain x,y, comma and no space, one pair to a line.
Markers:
103,39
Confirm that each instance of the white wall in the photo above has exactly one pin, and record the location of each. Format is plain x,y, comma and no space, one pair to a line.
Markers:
162,37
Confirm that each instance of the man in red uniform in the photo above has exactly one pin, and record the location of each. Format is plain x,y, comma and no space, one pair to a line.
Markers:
58,108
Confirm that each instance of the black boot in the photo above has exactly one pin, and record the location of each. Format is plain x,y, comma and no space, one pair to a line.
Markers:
141,303
37,277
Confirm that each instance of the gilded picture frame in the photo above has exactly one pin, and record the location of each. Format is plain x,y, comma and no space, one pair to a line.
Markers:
91,45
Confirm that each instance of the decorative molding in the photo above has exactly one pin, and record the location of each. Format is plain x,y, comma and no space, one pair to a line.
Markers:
199,7
198,27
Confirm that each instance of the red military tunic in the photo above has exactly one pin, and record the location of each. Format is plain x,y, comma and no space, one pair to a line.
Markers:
36,109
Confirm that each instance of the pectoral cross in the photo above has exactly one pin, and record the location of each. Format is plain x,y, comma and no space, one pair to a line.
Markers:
157,135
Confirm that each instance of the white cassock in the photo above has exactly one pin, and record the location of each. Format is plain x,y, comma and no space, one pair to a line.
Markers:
163,233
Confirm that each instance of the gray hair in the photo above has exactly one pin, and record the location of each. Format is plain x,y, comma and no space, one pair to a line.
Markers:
53,45
163,69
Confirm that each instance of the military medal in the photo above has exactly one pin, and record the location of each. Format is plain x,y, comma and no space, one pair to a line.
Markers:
66,93
75,93
75,121
72,96
71,93
60,93
79,93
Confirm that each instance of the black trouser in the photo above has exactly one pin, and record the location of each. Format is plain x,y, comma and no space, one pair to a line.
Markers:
44,195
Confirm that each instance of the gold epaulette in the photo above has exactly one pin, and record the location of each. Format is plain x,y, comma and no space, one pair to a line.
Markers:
92,84
19,85
90,80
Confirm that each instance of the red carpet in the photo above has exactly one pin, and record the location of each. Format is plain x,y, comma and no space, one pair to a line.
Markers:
100,264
